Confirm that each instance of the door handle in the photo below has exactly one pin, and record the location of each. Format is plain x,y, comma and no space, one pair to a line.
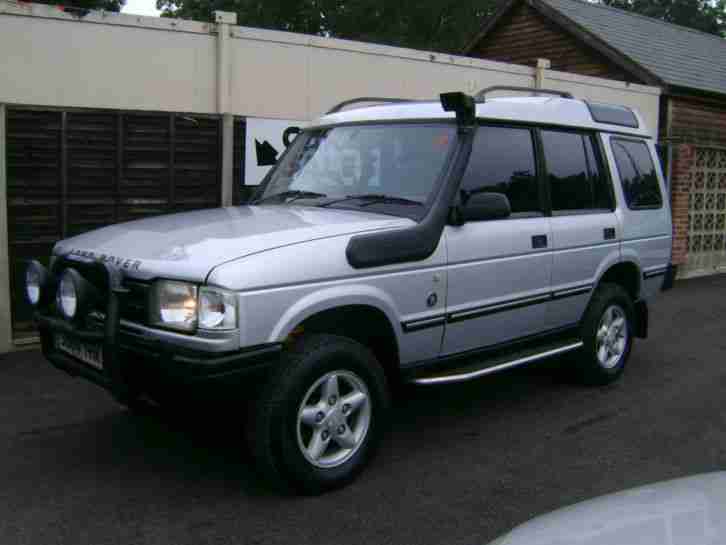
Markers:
609,233
539,241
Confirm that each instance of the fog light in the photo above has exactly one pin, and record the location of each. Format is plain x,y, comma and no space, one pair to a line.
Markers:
75,297
67,296
36,283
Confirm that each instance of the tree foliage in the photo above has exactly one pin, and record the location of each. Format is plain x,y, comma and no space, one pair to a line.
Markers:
107,5
438,25
704,15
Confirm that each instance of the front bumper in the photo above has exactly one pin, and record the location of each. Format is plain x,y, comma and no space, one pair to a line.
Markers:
141,358
137,362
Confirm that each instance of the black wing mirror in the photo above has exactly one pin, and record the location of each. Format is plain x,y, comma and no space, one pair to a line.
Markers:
481,207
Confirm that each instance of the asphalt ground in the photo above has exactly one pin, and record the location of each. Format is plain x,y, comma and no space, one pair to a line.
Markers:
461,464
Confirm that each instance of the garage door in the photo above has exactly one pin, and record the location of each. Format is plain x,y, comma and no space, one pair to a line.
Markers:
707,213
72,171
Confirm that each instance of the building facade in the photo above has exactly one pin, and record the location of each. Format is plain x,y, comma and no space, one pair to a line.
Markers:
689,66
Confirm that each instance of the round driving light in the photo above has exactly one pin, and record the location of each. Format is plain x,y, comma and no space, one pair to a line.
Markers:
67,296
36,281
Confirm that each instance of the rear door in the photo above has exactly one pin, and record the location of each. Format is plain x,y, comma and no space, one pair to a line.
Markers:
645,213
499,270
586,233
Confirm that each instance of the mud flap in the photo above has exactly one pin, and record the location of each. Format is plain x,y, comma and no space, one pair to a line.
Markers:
641,319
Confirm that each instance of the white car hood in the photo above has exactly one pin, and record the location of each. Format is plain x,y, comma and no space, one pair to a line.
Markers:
189,245
688,511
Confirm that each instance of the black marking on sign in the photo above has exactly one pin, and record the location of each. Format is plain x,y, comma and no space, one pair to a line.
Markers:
289,135
266,154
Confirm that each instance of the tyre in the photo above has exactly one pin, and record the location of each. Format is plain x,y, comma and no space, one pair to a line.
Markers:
320,417
607,334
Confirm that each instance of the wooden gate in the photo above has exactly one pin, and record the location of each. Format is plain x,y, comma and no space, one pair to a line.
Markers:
70,171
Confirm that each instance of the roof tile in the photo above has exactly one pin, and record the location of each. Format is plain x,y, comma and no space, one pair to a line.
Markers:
677,55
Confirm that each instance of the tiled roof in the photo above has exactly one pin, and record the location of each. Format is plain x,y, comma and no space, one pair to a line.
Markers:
676,55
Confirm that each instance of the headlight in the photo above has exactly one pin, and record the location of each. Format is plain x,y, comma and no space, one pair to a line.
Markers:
36,283
67,296
217,309
174,305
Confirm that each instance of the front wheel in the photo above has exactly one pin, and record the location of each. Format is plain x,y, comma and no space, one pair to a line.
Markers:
607,334
320,418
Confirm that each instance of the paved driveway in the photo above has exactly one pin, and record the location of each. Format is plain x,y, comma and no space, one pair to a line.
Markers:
462,464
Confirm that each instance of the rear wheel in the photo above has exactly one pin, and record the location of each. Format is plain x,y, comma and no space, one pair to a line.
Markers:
321,416
607,333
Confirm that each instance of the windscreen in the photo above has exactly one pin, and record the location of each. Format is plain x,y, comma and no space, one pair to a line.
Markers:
402,161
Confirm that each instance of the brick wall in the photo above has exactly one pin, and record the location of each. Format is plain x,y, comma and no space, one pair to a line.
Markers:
683,157
693,123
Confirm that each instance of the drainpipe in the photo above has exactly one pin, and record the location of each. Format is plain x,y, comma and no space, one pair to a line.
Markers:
6,334
224,19
539,75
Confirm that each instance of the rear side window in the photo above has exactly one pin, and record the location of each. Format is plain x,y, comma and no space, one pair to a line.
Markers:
612,114
576,181
637,173
502,161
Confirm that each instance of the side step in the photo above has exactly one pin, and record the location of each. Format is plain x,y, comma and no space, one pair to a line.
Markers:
478,367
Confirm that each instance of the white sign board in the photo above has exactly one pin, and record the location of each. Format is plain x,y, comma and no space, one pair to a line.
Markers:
264,145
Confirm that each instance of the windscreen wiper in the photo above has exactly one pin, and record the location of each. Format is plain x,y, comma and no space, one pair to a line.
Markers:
293,195
375,198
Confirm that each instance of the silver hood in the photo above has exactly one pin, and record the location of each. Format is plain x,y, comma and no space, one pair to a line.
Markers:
688,511
189,245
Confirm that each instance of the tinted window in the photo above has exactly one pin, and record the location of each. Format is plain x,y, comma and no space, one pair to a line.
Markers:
614,115
575,177
637,173
502,161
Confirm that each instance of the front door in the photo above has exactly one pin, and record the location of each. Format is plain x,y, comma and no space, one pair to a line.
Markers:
499,271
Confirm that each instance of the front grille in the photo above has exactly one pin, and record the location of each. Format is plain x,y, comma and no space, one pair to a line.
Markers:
134,305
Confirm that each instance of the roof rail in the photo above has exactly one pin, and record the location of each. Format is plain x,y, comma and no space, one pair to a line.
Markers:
345,103
481,95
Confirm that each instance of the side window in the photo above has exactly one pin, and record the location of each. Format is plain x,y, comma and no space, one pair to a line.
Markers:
637,173
575,178
601,185
502,161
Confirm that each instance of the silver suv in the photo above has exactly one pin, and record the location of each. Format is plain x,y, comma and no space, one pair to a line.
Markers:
403,242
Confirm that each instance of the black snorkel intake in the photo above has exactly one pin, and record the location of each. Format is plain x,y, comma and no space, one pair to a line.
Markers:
420,241
463,105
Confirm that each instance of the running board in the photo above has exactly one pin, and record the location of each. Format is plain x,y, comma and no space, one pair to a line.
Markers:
499,364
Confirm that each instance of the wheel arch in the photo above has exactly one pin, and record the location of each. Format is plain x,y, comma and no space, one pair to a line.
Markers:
364,314
624,273
629,276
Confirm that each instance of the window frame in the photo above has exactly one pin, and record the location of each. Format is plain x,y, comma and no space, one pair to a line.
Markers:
644,142
543,201
598,151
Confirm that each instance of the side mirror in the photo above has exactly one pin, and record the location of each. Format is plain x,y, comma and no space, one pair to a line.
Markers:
485,206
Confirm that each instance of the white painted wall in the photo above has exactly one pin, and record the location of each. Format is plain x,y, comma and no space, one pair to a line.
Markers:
146,63
117,61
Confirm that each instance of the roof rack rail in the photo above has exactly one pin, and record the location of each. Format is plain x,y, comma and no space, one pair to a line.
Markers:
481,95
345,103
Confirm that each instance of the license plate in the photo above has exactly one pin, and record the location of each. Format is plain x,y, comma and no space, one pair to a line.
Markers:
90,354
